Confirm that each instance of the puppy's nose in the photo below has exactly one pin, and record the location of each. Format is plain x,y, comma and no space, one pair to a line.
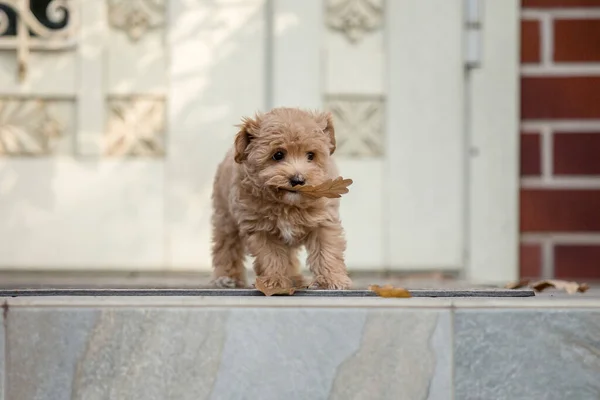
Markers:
297,180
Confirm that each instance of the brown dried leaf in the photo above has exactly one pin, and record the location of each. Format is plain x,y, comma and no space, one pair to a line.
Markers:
330,188
270,291
389,291
517,284
569,287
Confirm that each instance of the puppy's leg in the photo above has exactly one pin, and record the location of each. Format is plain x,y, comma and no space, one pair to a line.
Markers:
326,246
293,268
227,254
271,260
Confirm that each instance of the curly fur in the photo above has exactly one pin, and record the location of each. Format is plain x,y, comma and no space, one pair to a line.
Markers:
253,214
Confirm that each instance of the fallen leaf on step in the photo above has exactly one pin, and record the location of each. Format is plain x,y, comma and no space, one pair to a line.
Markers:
569,287
330,188
517,284
270,291
389,291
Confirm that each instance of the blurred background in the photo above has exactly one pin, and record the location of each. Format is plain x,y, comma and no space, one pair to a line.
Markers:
471,129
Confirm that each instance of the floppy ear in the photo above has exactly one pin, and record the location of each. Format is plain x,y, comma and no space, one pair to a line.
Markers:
325,121
248,128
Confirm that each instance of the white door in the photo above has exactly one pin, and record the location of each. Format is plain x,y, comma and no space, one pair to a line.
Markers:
392,73
137,102
82,134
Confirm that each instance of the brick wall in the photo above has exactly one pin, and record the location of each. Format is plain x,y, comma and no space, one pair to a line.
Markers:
560,139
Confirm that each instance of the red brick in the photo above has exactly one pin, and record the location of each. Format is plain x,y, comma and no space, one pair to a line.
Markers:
548,210
577,262
576,153
530,261
560,97
577,40
560,3
530,41
531,163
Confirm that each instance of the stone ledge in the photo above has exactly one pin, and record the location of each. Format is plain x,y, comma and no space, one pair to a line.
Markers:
539,302
151,348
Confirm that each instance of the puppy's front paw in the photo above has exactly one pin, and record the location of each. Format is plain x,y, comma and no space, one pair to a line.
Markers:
227,282
331,282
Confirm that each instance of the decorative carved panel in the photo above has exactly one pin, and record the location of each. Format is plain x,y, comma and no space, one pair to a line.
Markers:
354,18
36,24
136,17
135,127
35,127
358,124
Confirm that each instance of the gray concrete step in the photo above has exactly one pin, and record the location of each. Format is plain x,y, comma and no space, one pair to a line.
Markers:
254,347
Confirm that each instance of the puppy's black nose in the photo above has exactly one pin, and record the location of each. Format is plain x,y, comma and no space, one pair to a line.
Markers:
297,180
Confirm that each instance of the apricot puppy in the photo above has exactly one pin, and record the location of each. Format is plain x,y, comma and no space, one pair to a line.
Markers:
254,213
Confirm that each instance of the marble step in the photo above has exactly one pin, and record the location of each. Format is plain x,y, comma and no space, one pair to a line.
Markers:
251,347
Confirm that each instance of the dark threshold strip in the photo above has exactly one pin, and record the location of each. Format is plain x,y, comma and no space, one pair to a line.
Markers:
254,292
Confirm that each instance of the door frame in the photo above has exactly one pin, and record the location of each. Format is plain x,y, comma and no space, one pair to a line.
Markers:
493,163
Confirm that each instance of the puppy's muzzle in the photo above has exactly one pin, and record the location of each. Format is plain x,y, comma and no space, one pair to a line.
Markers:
297,180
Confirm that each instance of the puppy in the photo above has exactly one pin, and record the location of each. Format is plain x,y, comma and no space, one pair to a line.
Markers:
254,211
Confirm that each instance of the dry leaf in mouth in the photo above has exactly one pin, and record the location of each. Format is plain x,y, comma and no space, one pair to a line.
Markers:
330,188
270,291
389,291
569,287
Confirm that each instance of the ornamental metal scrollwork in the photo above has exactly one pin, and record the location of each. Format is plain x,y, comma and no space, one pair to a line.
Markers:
35,24
136,17
354,18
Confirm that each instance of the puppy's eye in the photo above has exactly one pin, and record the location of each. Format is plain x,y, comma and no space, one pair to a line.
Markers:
278,156
310,155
